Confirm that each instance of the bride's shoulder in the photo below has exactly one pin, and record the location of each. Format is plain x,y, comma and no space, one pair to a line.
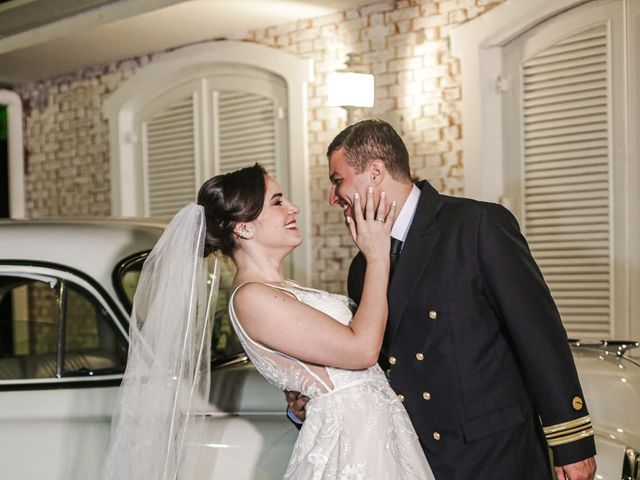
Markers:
248,289
249,294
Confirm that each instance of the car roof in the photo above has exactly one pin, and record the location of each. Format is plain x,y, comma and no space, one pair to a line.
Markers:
91,246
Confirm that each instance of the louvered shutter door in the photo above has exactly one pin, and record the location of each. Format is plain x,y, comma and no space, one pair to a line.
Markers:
566,177
169,146
246,131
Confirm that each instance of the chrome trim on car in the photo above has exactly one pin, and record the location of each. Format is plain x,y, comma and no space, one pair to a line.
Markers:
62,308
631,464
617,347
237,359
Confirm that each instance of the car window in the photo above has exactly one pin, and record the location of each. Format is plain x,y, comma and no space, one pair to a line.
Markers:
224,344
28,326
126,276
91,343
31,311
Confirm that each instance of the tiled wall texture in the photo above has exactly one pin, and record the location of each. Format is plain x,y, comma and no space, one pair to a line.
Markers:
404,43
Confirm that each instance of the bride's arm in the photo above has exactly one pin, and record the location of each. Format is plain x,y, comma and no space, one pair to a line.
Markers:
281,322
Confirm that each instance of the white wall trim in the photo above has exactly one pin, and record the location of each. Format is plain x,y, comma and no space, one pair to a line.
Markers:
16,153
633,185
478,44
172,68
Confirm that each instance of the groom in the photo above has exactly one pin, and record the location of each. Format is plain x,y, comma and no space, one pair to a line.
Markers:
474,346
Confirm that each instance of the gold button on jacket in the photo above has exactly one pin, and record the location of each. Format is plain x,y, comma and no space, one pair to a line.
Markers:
433,314
577,403
436,436
401,397
419,356
392,360
426,396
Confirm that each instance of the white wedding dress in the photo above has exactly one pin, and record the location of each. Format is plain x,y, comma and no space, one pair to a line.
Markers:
356,428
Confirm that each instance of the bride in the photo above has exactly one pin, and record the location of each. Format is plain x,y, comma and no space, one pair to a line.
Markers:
307,340
298,338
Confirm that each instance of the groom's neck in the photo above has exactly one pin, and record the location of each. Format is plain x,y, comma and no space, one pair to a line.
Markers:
399,192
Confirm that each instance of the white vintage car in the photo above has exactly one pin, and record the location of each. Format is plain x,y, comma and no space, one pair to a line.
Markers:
65,294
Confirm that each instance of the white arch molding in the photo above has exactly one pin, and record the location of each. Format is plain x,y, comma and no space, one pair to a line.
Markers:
478,44
16,153
170,69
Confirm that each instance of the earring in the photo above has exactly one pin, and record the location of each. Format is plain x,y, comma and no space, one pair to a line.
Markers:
244,234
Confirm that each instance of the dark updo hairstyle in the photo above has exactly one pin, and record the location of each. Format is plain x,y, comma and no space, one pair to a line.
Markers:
227,199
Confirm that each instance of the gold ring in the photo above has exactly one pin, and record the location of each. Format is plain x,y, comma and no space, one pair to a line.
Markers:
381,220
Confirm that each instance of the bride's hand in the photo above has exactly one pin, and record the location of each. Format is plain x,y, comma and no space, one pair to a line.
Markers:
371,231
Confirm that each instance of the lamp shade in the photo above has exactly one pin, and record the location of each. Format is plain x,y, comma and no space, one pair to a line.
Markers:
348,89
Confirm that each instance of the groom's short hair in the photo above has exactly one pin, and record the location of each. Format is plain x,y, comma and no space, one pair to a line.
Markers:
370,140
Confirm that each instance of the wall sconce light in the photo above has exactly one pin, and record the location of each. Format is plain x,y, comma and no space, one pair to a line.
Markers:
349,89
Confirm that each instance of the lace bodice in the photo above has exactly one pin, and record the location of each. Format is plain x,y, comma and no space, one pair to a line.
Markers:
288,373
355,427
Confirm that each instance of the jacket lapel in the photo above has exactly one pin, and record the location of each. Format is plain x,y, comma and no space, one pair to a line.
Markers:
422,236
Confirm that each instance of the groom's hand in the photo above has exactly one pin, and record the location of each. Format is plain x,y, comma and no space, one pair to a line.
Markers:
297,403
584,470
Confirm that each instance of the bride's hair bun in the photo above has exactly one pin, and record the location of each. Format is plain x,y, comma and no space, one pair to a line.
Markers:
228,199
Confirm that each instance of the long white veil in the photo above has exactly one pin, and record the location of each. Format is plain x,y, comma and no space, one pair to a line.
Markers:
167,379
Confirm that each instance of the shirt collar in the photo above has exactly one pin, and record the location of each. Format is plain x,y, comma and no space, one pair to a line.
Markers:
405,217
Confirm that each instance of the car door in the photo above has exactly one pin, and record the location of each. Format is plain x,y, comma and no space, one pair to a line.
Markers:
248,435
62,355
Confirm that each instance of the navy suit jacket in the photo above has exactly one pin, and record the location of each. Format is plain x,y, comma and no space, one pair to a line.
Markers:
475,347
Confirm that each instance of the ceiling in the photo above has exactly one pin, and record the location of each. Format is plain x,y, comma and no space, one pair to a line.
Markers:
47,38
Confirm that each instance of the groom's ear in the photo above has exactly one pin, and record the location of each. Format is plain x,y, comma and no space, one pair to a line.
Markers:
376,171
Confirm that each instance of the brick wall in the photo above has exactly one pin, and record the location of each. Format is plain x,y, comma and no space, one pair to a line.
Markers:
404,43
67,142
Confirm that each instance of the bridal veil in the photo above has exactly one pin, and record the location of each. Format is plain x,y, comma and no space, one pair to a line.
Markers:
158,418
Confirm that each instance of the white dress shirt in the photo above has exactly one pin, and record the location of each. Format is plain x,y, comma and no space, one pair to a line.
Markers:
405,217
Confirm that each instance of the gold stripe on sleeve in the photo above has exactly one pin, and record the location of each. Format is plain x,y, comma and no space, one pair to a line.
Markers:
558,427
570,438
564,433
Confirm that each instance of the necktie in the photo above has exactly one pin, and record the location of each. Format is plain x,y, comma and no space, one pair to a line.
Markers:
396,247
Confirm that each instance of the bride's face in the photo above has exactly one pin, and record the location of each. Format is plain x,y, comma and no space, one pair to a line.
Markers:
276,225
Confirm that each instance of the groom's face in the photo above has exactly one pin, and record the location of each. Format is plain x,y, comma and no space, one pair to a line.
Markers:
345,181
